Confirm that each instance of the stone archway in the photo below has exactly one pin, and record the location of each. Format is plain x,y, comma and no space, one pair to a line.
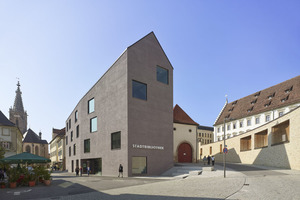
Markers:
185,153
28,150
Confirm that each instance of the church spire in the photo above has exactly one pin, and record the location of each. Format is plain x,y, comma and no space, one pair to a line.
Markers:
18,105
17,114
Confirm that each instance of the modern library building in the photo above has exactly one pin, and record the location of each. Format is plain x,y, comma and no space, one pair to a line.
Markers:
126,117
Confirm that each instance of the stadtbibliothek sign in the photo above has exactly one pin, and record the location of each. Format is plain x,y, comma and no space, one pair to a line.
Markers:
142,146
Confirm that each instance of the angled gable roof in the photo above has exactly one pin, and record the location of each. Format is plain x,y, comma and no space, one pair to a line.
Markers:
32,137
179,116
4,121
275,97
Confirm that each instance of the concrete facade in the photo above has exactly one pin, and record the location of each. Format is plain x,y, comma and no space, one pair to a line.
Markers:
145,126
281,154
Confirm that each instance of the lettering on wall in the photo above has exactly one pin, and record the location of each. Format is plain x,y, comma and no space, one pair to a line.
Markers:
143,146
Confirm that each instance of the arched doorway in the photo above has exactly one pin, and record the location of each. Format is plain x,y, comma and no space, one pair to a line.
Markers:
27,149
185,153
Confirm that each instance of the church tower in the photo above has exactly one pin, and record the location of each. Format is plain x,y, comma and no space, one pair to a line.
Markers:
17,114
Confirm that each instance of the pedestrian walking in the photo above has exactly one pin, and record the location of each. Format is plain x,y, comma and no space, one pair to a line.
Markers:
204,160
213,160
88,171
120,170
77,171
208,160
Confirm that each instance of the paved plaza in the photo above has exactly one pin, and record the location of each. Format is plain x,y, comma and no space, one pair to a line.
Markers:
241,182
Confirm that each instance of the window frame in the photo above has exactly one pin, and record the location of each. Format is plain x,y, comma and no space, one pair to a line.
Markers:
91,120
162,70
135,95
89,107
85,146
118,146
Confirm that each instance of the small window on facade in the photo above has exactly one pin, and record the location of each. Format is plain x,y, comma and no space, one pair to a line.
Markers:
231,109
241,124
69,150
249,122
267,118
116,140
66,140
69,123
71,136
74,149
250,109
93,124
268,104
280,114
253,102
234,103
271,96
77,131
190,130
5,132
210,150
139,90
234,126
76,116
285,99
86,146
257,121
228,127
218,129
67,126
288,90
174,129
162,75
257,94
91,105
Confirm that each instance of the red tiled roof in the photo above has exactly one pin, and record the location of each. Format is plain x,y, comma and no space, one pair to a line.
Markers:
179,116
277,96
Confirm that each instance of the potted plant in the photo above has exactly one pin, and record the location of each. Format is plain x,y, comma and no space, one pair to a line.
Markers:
13,176
47,177
30,177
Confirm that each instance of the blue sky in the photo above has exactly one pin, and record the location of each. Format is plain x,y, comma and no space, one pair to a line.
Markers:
59,49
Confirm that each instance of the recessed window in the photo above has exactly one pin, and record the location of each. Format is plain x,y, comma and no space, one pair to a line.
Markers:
76,116
271,96
253,102
77,131
69,123
288,90
268,104
74,149
249,122
285,99
281,133
245,143
139,90
261,139
250,109
280,113
228,127
69,150
116,140
91,105
67,126
267,118
86,146
218,129
234,126
71,136
139,165
257,120
241,124
66,140
162,75
93,124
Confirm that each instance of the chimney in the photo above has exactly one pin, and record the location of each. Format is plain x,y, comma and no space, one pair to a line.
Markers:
40,134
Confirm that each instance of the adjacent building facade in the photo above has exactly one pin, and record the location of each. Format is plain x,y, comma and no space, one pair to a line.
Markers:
10,137
185,137
255,110
126,117
57,148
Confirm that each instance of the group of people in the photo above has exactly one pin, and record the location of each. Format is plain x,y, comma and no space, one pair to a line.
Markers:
77,170
208,159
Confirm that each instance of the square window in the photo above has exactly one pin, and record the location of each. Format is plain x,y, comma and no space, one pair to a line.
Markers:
87,146
116,140
91,105
162,75
5,132
139,90
280,114
139,165
93,124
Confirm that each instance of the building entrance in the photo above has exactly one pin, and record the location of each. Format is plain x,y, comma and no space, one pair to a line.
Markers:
185,153
94,164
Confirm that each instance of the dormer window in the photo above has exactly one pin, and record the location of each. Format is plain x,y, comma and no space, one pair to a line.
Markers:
288,90
257,94
271,96
231,109
235,102
285,99
227,117
253,102
268,104
249,110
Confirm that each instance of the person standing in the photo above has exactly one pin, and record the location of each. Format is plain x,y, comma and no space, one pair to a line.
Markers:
88,171
213,160
204,160
120,170
208,160
77,171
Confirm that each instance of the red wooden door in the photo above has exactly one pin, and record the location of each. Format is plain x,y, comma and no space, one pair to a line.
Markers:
185,153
